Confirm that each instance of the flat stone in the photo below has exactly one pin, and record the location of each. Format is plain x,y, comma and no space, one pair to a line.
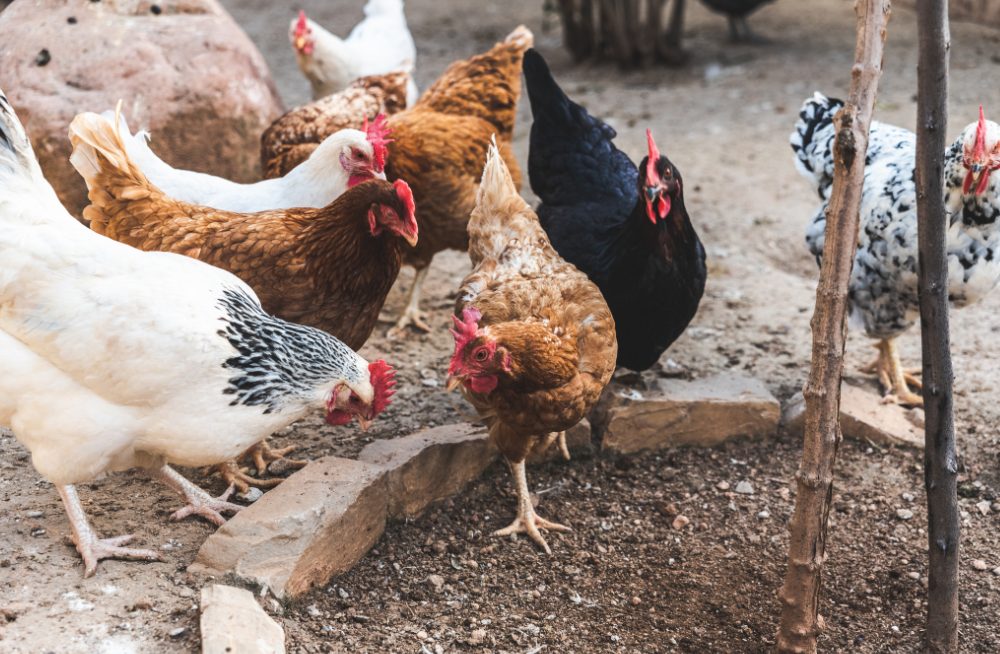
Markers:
676,412
429,466
318,523
185,71
863,417
232,621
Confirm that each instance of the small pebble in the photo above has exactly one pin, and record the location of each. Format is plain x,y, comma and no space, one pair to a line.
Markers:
723,485
252,495
744,488
980,565
907,497
477,637
43,57
984,507
422,635
440,547
636,601
764,515
915,576
178,632
996,571
313,611
904,514
33,514
437,581
680,522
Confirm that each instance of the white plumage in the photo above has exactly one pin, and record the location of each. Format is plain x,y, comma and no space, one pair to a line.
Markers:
115,358
380,43
343,158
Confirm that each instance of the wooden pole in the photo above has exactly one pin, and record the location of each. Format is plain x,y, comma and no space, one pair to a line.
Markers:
940,457
800,620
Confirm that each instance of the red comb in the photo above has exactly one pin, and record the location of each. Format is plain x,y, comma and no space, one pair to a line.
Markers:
405,195
465,330
654,156
980,148
383,380
301,26
377,134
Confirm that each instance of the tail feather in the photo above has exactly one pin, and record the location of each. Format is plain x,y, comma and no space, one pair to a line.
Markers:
486,85
497,192
813,135
102,158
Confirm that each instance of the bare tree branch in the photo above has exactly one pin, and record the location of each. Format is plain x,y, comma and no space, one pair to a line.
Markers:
940,457
800,620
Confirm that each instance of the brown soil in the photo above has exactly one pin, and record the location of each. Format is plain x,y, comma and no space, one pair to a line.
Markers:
624,579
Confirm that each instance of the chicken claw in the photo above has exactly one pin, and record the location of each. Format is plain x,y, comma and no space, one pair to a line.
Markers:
412,315
199,502
895,380
91,548
263,455
527,521
235,476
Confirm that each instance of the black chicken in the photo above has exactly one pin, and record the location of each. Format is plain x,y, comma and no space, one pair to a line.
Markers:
737,11
629,233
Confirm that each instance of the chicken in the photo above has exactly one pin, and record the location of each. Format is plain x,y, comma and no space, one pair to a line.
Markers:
629,232
883,296
329,268
437,146
295,135
380,43
534,339
116,358
737,11
344,158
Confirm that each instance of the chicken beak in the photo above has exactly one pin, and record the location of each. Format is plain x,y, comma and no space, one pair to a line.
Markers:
453,383
300,43
364,422
411,239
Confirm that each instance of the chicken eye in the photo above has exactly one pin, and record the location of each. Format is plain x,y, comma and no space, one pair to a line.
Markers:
481,355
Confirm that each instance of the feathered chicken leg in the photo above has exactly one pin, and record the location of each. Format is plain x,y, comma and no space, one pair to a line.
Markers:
92,548
412,315
527,520
895,379
199,502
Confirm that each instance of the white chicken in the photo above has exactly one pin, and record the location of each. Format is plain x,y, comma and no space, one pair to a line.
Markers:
116,358
345,158
380,43
883,293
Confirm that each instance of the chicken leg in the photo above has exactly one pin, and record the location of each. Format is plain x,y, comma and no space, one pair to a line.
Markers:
895,380
412,315
92,548
527,521
552,438
199,502
262,455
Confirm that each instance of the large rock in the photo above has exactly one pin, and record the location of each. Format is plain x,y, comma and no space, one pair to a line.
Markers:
430,465
318,523
678,412
184,69
232,621
864,417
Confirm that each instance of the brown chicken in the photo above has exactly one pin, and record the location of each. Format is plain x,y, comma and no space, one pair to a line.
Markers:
438,147
290,139
534,340
329,268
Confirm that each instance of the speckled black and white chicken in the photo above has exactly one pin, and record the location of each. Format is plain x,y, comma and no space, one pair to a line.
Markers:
883,293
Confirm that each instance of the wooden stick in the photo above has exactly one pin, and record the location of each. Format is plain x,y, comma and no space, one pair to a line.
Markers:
940,457
800,620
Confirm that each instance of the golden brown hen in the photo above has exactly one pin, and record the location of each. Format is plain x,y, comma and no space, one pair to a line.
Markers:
438,148
535,342
330,267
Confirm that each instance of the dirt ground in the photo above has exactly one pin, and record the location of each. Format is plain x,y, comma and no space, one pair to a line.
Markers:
624,580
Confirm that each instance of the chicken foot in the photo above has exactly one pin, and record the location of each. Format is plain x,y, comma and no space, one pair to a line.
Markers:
199,502
527,521
895,380
412,315
263,455
92,548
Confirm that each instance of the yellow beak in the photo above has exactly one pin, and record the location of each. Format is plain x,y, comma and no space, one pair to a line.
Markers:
453,383
364,422
300,43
